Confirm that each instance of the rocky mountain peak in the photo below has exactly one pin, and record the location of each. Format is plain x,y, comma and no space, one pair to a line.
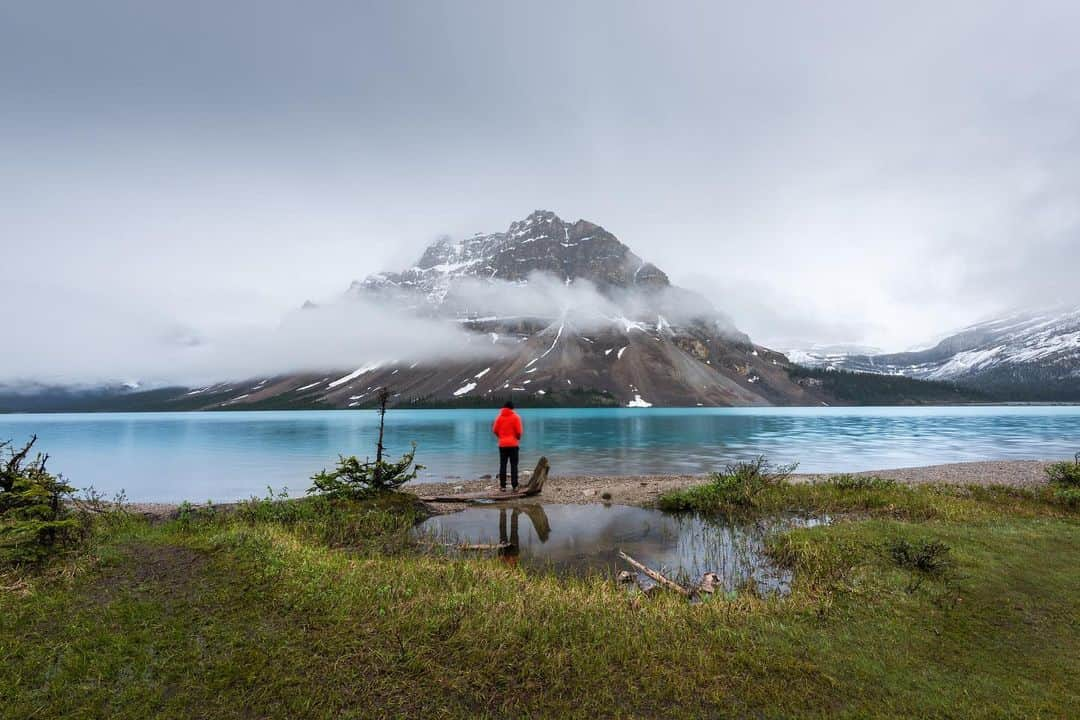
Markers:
542,242
535,219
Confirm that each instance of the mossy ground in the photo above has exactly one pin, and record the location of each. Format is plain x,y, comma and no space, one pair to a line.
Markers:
323,610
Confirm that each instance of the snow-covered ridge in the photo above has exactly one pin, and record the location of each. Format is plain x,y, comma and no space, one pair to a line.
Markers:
1044,342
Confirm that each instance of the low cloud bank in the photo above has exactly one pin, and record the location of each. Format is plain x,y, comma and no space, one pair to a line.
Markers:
96,344
547,297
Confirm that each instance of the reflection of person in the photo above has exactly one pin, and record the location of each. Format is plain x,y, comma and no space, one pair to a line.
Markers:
509,553
507,427
513,538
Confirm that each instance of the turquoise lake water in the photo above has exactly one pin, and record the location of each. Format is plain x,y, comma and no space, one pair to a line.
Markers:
225,456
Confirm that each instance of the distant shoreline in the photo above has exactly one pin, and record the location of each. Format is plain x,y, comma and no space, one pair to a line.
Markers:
524,406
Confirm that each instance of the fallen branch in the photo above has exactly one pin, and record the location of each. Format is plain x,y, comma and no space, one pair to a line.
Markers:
468,546
657,577
19,586
483,546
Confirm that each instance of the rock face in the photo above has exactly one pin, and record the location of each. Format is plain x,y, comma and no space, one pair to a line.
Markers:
566,314
1028,355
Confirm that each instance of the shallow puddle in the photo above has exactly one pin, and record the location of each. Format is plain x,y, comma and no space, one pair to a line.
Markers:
583,539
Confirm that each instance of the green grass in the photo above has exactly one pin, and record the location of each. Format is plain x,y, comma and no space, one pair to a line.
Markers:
883,497
319,609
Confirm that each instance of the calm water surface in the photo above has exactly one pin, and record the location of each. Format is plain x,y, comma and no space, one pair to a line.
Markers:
583,539
229,455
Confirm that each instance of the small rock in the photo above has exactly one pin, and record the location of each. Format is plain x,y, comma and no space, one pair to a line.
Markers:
588,493
625,576
458,487
710,581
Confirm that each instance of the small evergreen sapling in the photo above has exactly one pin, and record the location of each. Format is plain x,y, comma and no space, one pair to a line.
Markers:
352,478
35,515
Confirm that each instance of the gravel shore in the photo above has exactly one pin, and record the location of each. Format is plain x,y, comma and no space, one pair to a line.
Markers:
644,489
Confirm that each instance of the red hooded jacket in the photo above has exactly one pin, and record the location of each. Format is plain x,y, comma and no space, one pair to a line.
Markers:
508,428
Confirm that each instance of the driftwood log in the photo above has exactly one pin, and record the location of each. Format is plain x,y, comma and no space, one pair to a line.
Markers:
481,546
533,487
469,546
657,577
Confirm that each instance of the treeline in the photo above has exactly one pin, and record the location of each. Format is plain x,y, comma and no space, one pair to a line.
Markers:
1030,383
859,388
53,400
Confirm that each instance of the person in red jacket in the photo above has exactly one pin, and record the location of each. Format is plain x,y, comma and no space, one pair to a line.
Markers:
507,427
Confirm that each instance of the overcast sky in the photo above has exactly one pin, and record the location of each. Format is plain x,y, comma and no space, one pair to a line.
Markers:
855,172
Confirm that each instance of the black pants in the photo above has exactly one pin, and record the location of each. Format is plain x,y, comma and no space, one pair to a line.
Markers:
512,538
508,454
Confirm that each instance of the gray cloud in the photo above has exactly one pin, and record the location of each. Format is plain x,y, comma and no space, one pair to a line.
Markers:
115,343
108,341
548,298
844,171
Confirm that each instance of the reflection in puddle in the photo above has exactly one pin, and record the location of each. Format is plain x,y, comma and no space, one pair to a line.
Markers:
583,539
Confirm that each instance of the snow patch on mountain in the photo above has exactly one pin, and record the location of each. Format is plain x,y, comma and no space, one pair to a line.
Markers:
464,389
353,375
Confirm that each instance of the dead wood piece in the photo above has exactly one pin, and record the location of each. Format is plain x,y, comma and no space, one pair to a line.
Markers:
660,579
469,546
533,487
19,586
710,581
493,495
538,477
482,546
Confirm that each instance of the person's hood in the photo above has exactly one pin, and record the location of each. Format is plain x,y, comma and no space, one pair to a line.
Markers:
506,411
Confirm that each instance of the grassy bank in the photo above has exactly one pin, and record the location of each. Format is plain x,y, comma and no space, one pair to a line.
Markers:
323,609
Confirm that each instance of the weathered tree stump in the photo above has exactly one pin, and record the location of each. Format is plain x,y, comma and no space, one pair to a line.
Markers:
533,487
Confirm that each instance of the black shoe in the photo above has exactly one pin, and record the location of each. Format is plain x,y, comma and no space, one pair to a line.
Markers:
514,488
